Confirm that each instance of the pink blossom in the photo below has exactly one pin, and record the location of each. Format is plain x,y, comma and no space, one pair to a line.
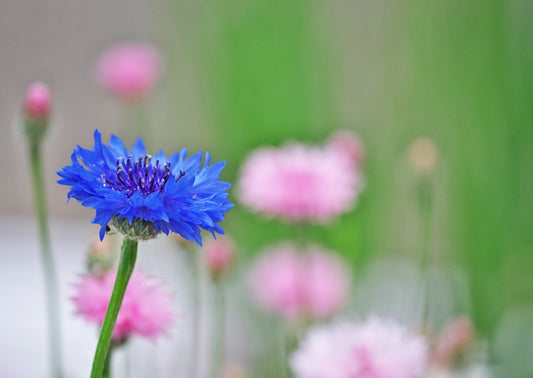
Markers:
146,308
218,255
299,183
326,283
294,283
129,70
37,102
374,348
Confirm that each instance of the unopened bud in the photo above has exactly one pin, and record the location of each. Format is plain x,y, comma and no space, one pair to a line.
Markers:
100,258
233,371
36,111
348,145
455,339
423,155
218,256
37,102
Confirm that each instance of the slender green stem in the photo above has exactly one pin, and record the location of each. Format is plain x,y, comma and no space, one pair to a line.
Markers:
196,314
125,269
219,331
283,351
52,301
107,364
425,207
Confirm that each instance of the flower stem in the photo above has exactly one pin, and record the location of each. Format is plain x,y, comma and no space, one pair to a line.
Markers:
54,332
425,207
196,314
125,269
107,364
219,331
283,351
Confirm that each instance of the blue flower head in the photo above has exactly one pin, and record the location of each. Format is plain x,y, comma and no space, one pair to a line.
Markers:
142,195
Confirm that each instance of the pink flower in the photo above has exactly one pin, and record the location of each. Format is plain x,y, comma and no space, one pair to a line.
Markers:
37,102
294,283
218,256
299,183
129,70
146,308
374,348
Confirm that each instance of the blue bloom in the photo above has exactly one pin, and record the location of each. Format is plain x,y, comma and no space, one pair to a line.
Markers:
142,195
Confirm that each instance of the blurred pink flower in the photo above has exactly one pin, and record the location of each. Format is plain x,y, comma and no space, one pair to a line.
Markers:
146,308
129,70
299,183
218,255
374,348
37,102
294,283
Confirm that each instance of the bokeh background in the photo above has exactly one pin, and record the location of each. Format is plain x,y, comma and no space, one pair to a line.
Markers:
240,74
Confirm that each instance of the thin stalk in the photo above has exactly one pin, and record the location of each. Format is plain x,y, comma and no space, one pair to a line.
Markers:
196,314
125,269
107,364
219,331
52,301
425,207
283,351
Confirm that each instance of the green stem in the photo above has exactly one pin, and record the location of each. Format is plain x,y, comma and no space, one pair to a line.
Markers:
107,364
425,205
283,351
219,331
196,314
52,302
125,269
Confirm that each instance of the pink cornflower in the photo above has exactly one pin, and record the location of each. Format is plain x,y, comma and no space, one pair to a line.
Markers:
146,308
218,256
129,70
299,183
374,348
37,102
293,283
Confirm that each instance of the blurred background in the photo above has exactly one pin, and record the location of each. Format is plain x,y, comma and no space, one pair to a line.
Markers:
241,74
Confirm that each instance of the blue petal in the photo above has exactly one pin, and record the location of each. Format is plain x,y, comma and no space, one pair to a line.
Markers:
184,205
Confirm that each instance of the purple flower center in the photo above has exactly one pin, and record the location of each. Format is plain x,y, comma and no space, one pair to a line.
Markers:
142,176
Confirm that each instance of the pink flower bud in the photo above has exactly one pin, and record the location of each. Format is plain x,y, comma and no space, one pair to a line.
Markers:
348,146
100,258
454,340
218,256
37,102
129,70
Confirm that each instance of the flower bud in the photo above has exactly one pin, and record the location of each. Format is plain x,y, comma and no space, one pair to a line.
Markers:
37,102
233,371
218,256
36,110
100,258
423,155
348,146
454,340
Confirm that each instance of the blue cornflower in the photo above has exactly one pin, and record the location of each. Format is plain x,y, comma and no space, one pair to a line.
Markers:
142,195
